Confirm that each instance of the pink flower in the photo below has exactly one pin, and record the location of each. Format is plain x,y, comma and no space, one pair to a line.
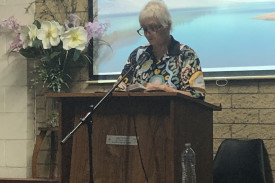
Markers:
11,23
71,21
96,29
16,44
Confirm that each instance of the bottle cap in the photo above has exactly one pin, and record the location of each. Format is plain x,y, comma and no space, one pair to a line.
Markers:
188,144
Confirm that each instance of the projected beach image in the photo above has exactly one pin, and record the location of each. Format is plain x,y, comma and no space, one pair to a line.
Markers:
227,35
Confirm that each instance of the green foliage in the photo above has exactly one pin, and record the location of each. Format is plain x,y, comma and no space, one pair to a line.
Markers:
37,23
29,52
54,66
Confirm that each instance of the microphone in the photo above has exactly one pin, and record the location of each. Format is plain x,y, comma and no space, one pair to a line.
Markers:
142,58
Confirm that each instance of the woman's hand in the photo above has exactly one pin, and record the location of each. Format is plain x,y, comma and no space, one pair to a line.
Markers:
153,86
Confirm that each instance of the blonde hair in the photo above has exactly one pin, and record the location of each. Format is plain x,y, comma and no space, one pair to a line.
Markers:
156,9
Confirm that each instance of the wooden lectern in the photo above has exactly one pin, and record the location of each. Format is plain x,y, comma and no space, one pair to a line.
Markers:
162,122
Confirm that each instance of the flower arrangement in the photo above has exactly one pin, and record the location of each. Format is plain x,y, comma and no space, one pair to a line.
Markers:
55,45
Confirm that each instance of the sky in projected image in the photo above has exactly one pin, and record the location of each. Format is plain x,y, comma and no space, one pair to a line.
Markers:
227,35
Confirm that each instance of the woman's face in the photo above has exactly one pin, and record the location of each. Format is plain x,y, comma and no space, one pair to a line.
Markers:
154,32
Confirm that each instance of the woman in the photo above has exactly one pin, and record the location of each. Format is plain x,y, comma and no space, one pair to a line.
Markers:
170,66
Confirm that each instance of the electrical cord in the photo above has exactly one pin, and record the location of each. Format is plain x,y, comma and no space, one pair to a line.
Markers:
131,113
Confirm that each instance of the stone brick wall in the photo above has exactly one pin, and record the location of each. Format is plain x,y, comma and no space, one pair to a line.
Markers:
57,10
248,112
16,99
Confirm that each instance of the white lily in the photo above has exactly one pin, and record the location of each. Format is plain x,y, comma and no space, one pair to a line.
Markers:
28,35
49,33
75,37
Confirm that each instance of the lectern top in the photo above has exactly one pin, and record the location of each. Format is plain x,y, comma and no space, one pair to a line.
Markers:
215,107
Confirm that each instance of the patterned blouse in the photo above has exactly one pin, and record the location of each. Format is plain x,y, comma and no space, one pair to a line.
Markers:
179,67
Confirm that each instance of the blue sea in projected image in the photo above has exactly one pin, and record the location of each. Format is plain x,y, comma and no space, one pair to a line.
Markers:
224,37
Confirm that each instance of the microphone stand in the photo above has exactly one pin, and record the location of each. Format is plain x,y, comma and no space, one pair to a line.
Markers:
89,121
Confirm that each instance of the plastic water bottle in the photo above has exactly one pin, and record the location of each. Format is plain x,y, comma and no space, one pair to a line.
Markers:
188,163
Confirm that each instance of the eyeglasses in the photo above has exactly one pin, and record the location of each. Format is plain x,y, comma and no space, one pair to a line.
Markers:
151,29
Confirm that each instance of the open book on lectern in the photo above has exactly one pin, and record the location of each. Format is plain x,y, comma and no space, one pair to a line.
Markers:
137,87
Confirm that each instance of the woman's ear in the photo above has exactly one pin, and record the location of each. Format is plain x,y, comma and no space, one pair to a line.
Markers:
169,26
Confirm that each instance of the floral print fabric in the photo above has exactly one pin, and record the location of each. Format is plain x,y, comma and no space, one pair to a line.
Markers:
179,67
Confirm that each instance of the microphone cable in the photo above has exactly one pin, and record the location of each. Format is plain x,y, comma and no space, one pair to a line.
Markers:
136,134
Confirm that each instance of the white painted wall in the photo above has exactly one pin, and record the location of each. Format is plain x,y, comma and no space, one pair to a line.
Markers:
16,101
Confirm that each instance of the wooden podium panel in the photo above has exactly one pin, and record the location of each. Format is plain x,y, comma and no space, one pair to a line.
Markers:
163,122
